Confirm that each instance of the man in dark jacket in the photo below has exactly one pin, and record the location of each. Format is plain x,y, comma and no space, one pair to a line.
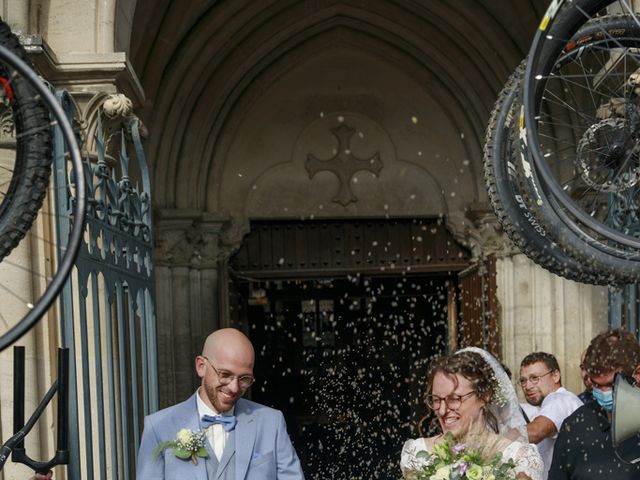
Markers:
583,449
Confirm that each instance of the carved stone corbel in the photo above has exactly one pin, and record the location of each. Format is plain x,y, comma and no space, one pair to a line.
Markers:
189,239
480,231
118,108
117,105
231,237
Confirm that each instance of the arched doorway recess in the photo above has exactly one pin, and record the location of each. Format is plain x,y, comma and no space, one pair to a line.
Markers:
239,94
346,316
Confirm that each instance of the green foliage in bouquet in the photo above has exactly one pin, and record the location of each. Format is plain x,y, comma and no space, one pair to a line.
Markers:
475,460
188,445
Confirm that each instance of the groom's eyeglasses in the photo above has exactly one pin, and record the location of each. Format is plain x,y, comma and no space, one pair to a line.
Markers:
534,379
225,378
452,402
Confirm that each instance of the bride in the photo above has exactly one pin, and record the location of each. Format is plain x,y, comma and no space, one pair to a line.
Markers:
471,388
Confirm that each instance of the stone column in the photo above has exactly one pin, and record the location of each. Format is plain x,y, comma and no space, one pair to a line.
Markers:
78,25
188,254
544,312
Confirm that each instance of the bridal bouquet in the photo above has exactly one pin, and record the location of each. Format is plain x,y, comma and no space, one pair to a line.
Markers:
460,461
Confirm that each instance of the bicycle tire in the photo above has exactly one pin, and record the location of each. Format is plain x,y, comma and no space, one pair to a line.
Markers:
67,259
560,22
621,263
32,168
503,189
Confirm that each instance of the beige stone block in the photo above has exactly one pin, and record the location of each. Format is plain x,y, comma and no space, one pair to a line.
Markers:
541,311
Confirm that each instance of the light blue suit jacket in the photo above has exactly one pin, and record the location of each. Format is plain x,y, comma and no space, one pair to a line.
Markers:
263,448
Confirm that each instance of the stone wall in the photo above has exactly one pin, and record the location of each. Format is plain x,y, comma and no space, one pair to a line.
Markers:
543,312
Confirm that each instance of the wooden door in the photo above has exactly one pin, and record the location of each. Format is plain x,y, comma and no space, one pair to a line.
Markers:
478,322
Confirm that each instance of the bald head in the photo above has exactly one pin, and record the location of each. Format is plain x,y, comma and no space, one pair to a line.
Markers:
229,343
227,356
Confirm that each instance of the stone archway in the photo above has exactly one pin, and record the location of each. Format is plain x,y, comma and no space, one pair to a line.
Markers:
242,94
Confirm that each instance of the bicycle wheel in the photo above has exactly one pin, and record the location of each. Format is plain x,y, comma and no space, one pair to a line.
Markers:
503,188
587,131
25,173
30,276
578,123
567,253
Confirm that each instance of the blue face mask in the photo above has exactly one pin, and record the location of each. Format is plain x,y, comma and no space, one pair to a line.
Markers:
604,399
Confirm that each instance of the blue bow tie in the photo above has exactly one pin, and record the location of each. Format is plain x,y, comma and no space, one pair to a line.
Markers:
228,422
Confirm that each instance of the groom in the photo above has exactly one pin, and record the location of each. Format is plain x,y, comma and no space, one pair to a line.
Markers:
244,440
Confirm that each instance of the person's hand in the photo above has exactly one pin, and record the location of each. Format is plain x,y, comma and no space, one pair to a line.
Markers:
39,476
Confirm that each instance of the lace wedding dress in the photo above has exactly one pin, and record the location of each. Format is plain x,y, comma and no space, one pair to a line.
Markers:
524,455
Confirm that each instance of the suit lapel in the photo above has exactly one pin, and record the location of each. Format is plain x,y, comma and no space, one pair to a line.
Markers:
187,417
245,438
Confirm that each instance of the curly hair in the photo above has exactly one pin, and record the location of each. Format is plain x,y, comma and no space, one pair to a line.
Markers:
471,366
613,350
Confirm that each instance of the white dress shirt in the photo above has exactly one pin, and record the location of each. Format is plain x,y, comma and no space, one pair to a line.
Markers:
216,434
531,410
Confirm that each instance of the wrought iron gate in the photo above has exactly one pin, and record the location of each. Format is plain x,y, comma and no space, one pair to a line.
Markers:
107,307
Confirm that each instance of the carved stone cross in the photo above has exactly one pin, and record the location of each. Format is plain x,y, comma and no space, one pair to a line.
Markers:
344,165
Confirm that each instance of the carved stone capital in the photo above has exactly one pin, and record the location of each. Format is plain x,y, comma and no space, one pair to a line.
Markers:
96,82
189,238
232,236
480,231
85,72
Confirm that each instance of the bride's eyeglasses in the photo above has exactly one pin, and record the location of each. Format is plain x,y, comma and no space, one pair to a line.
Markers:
452,402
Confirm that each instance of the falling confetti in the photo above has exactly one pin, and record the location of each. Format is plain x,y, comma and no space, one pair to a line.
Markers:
346,361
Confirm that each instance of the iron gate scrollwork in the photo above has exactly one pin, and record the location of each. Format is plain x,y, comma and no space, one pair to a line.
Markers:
107,307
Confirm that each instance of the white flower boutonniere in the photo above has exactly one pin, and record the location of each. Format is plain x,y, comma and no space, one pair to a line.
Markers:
187,445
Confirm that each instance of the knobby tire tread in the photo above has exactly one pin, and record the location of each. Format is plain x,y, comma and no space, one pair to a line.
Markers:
513,216
33,156
620,265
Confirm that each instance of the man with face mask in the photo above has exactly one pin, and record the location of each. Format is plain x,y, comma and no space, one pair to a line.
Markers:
584,449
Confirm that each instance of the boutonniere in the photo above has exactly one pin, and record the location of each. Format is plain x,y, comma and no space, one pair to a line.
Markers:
187,445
